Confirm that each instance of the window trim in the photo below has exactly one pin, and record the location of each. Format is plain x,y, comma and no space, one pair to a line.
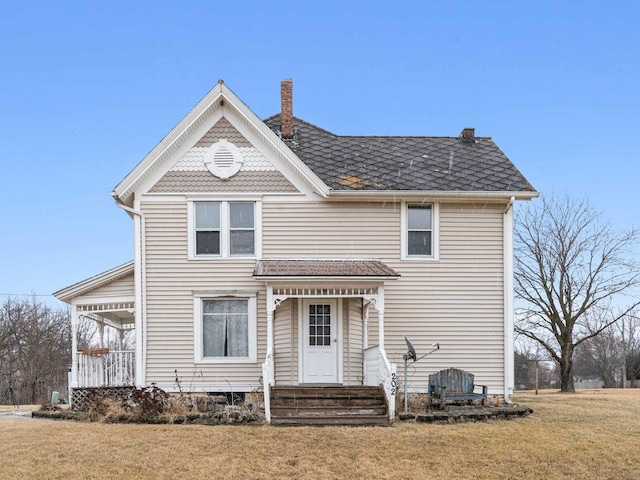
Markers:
435,232
198,328
225,229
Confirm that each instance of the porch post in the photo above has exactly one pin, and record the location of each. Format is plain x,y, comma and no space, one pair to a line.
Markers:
380,308
270,309
365,326
74,347
101,332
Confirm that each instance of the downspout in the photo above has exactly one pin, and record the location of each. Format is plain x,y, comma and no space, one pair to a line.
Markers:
140,272
507,246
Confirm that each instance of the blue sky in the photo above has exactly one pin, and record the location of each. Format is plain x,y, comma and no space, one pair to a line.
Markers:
87,89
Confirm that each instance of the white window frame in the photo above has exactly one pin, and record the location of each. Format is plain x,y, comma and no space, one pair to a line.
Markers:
225,230
435,232
198,329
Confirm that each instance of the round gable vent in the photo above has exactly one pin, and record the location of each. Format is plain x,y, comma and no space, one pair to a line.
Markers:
223,159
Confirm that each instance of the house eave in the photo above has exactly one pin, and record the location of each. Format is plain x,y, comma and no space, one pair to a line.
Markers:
497,196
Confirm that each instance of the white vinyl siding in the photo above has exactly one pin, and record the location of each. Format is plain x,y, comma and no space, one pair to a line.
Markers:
353,354
331,230
285,339
456,300
121,287
172,280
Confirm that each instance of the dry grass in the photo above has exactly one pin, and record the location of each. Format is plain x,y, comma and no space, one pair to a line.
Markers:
591,434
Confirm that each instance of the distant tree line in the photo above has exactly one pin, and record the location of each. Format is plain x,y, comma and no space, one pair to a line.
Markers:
611,357
35,350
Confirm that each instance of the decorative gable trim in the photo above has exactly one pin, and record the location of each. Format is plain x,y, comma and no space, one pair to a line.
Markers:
220,101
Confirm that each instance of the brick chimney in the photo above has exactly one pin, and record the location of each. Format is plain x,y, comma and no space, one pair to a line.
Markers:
468,135
286,111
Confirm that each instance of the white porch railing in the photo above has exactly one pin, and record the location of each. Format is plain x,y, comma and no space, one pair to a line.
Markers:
378,370
112,369
268,380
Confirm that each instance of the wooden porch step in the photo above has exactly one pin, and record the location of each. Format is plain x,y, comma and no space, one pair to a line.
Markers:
355,421
327,410
327,401
328,405
333,393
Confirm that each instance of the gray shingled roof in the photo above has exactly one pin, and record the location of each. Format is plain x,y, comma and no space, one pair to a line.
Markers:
323,268
404,163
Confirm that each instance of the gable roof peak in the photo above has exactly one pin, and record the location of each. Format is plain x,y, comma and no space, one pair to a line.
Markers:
219,100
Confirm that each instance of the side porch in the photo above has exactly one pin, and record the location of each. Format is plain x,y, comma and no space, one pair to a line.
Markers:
103,314
108,362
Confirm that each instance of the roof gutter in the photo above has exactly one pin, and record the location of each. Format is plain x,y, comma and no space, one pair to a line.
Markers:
433,194
140,282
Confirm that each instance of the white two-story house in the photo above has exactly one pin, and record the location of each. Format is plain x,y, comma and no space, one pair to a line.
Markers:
275,253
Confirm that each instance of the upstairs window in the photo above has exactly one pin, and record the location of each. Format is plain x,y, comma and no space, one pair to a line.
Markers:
241,228
207,228
224,229
420,231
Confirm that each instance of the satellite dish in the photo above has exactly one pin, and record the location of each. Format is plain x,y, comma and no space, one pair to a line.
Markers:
411,354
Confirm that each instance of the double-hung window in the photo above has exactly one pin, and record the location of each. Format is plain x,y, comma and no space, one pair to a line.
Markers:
419,231
223,228
207,228
241,228
225,328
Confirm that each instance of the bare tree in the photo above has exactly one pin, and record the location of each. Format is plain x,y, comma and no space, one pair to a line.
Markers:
568,264
35,350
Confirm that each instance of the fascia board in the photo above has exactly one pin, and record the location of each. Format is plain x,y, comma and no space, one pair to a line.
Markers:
432,195
124,188
91,283
182,145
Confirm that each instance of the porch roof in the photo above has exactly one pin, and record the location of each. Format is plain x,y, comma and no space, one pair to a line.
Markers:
319,269
81,288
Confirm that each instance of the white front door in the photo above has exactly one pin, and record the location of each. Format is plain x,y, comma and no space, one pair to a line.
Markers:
320,341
